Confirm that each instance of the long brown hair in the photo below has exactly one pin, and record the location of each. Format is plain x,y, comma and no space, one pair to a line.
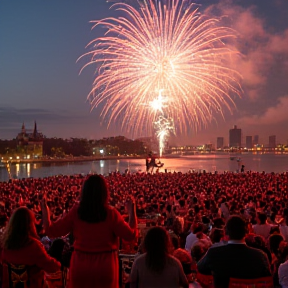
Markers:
157,244
94,200
20,229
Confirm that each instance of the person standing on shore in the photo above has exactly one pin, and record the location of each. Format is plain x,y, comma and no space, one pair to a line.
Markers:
96,227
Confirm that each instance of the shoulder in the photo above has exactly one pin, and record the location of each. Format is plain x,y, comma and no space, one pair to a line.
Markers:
256,251
113,211
283,266
174,261
36,246
139,260
220,247
113,214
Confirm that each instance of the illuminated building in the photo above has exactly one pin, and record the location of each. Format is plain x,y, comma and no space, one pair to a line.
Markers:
30,145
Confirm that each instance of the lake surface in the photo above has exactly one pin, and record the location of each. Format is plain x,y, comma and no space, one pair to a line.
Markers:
210,162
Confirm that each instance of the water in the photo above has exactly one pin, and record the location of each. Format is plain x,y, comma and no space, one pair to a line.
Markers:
210,162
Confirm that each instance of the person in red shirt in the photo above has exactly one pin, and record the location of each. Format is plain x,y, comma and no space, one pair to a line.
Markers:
21,246
96,228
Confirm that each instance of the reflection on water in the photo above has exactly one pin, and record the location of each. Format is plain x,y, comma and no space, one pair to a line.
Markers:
28,170
209,163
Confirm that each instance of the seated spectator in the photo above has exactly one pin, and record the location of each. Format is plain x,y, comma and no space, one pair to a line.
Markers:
283,227
156,267
262,228
283,268
216,235
274,242
258,242
197,252
21,246
191,239
235,259
56,249
218,223
187,263
202,240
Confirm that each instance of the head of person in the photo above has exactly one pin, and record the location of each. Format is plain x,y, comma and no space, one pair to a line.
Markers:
19,230
185,258
196,227
197,252
274,241
262,217
255,241
157,245
94,199
283,251
236,228
216,235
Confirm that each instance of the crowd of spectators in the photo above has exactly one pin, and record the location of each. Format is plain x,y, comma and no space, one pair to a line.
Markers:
192,207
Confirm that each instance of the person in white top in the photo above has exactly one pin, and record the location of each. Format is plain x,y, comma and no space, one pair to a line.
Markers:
262,228
283,268
283,227
191,239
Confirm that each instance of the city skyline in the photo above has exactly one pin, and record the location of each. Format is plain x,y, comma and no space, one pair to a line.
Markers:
39,75
247,141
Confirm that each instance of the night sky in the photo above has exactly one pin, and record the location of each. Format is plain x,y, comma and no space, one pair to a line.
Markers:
40,42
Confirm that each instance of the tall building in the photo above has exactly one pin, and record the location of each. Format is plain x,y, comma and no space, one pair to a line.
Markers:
272,141
249,142
256,140
235,136
220,142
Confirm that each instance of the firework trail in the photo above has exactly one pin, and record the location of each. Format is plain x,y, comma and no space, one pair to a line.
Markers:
170,48
163,127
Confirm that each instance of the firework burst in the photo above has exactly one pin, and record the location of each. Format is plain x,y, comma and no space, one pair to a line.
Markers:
170,49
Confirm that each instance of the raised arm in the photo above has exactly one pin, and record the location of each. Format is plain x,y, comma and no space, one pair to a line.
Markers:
59,228
126,231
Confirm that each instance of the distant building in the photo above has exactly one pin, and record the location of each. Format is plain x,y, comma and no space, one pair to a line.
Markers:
235,136
220,142
249,142
272,141
256,140
30,144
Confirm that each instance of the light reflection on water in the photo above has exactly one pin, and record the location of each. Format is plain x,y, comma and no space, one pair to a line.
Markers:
210,163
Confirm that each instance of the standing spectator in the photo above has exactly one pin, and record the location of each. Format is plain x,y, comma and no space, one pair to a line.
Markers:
96,228
234,260
156,267
21,247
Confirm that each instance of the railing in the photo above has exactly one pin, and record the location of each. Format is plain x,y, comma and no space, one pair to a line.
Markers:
125,265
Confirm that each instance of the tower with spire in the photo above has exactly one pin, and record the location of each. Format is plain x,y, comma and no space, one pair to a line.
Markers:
35,133
30,143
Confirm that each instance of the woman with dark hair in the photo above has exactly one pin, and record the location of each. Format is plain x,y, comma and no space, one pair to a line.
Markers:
21,247
156,267
96,228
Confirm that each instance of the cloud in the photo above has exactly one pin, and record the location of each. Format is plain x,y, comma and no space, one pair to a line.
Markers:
262,50
273,115
12,118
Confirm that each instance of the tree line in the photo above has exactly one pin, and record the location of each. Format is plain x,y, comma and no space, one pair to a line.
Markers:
58,147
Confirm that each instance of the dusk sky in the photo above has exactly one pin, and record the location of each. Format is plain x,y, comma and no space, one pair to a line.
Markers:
40,42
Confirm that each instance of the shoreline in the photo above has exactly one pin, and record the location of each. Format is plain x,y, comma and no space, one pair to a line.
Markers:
4,163
70,159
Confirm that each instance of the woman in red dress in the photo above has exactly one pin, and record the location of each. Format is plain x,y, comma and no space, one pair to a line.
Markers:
96,228
21,247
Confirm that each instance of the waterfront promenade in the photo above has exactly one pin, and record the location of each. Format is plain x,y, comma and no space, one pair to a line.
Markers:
68,159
